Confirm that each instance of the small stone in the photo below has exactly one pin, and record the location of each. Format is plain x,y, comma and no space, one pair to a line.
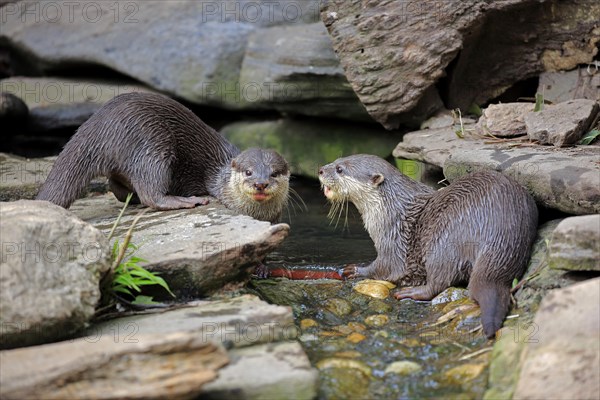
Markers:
403,368
330,334
308,323
374,288
575,244
357,326
504,120
379,306
377,320
449,295
344,363
356,337
562,124
464,373
338,307
344,329
348,354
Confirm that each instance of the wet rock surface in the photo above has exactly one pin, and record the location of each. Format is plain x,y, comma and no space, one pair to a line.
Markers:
113,366
50,271
197,251
563,179
575,244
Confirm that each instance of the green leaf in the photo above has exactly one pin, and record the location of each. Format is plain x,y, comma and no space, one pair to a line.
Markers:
539,102
122,289
144,300
515,282
475,110
590,137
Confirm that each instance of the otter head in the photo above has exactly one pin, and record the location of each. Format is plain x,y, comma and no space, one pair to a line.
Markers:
260,183
355,178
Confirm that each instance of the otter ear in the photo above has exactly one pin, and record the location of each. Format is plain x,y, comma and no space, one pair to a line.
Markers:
377,179
233,164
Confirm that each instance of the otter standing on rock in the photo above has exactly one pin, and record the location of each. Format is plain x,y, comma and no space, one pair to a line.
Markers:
153,146
479,230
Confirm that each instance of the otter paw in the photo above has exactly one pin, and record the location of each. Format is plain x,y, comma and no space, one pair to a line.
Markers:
351,271
415,293
261,271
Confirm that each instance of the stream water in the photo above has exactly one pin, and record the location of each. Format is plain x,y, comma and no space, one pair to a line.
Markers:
369,347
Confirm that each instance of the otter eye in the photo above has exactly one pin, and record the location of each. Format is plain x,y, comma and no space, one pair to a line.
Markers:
248,172
274,174
339,169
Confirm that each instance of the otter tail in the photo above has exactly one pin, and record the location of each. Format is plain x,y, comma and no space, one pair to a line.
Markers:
68,178
494,301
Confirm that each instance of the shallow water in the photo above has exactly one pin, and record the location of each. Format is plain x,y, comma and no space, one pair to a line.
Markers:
353,338
316,240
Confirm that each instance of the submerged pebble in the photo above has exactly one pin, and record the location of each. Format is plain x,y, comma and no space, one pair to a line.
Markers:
464,373
356,337
338,307
403,368
377,320
344,363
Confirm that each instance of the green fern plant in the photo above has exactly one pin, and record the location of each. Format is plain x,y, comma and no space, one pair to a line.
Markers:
128,276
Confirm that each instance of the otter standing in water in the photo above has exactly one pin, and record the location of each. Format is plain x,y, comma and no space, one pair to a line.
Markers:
479,230
153,146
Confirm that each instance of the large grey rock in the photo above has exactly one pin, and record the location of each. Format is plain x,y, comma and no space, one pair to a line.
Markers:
113,366
196,251
562,124
580,83
393,52
294,69
275,371
562,359
56,103
575,244
504,120
307,145
194,50
567,179
51,266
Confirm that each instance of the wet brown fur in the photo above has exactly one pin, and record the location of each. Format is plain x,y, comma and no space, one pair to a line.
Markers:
479,230
155,147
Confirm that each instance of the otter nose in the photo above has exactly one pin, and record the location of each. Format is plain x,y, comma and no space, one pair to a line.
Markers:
320,171
261,186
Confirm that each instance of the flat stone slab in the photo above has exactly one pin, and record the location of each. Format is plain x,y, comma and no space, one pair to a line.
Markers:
196,251
21,178
265,362
562,361
173,366
61,103
269,371
239,322
567,179
562,124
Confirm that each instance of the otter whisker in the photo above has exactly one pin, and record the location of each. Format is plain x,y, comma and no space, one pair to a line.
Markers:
297,199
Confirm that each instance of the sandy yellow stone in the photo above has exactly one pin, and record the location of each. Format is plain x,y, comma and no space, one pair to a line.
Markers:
356,337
